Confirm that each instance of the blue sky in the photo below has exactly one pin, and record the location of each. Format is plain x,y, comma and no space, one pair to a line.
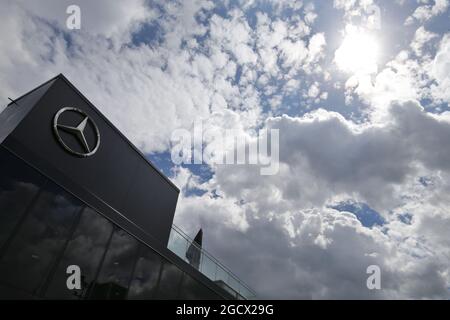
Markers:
358,89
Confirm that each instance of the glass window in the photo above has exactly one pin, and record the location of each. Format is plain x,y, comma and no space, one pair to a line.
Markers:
192,289
146,274
208,267
169,281
19,185
26,260
115,275
222,275
12,293
85,249
178,244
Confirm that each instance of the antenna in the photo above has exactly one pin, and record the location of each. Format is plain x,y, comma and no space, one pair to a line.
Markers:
13,101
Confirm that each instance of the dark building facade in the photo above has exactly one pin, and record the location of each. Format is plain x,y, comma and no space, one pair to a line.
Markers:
75,191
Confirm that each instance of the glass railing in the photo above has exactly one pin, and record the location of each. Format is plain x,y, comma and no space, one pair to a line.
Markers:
180,243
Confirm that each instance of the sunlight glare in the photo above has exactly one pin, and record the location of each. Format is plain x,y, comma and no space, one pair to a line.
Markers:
358,53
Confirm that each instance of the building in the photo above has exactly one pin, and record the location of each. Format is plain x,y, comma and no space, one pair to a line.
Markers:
75,192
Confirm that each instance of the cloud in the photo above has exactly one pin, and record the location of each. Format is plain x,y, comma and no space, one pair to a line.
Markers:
168,87
421,37
234,36
418,72
440,71
337,157
426,12
117,20
155,67
317,254
305,249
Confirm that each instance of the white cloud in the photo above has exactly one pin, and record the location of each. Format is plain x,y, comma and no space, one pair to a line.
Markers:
426,12
278,228
117,19
314,90
418,72
324,159
130,80
234,36
316,46
421,37
440,71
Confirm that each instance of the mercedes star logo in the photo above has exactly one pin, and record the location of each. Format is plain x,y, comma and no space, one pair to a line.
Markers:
77,131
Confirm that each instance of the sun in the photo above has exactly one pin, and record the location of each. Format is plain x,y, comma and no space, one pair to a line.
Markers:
358,53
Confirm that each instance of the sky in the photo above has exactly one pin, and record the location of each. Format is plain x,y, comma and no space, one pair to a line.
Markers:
358,90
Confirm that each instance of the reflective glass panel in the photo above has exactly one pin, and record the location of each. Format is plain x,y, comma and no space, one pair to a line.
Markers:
85,249
116,271
19,185
169,281
146,274
192,289
26,260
